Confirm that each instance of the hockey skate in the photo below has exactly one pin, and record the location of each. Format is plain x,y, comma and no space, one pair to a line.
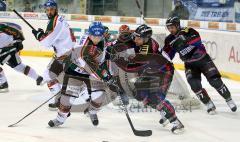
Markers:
61,117
40,80
4,87
53,106
54,123
163,121
93,116
231,105
211,109
178,127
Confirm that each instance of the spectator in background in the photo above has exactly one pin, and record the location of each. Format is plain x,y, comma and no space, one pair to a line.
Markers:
3,5
180,11
237,10
28,7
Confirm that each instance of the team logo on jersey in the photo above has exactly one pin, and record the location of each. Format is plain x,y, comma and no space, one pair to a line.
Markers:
82,40
187,50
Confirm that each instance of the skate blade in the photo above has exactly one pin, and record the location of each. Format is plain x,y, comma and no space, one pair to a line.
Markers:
42,83
165,123
179,131
4,90
213,112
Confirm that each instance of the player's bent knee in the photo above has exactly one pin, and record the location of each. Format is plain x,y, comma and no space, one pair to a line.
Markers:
215,81
20,68
195,84
66,100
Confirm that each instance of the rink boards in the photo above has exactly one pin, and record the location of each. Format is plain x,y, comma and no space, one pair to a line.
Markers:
220,39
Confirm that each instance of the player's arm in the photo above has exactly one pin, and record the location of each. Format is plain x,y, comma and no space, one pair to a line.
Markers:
168,49
120,53
54,30
194,39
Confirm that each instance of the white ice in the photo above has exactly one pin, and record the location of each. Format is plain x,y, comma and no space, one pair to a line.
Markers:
24,96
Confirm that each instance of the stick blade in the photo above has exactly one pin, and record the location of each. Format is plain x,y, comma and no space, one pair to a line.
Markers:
13,125
145,133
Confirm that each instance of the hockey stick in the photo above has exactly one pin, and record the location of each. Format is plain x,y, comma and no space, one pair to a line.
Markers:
20,16
142,133
7,52
14,124
140,10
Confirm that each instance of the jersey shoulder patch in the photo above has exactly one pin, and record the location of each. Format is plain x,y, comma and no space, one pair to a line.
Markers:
185,29
83,40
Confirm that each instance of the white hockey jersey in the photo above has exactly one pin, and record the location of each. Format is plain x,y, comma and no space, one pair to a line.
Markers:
58,36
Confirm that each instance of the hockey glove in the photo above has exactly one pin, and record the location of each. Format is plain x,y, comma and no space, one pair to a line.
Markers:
18,46
180,41
38,33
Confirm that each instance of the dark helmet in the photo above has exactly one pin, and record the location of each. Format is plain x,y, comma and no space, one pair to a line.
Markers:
143,31
106,29
106,33
173,21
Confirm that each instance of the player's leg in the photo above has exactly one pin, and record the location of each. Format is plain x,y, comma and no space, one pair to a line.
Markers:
148,91
3,82
166,109
94,106
16,63
93,103
69,92
193,75
55,67
63,111
165,78
214,78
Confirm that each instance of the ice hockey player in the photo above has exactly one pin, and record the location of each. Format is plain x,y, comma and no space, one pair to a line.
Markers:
59,37
187,42
155,71
87,59
123,28
107,35
11,38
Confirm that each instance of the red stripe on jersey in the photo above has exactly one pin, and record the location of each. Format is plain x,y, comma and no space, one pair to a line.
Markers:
194,40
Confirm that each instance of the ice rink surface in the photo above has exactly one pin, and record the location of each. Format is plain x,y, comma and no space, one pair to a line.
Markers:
24,96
